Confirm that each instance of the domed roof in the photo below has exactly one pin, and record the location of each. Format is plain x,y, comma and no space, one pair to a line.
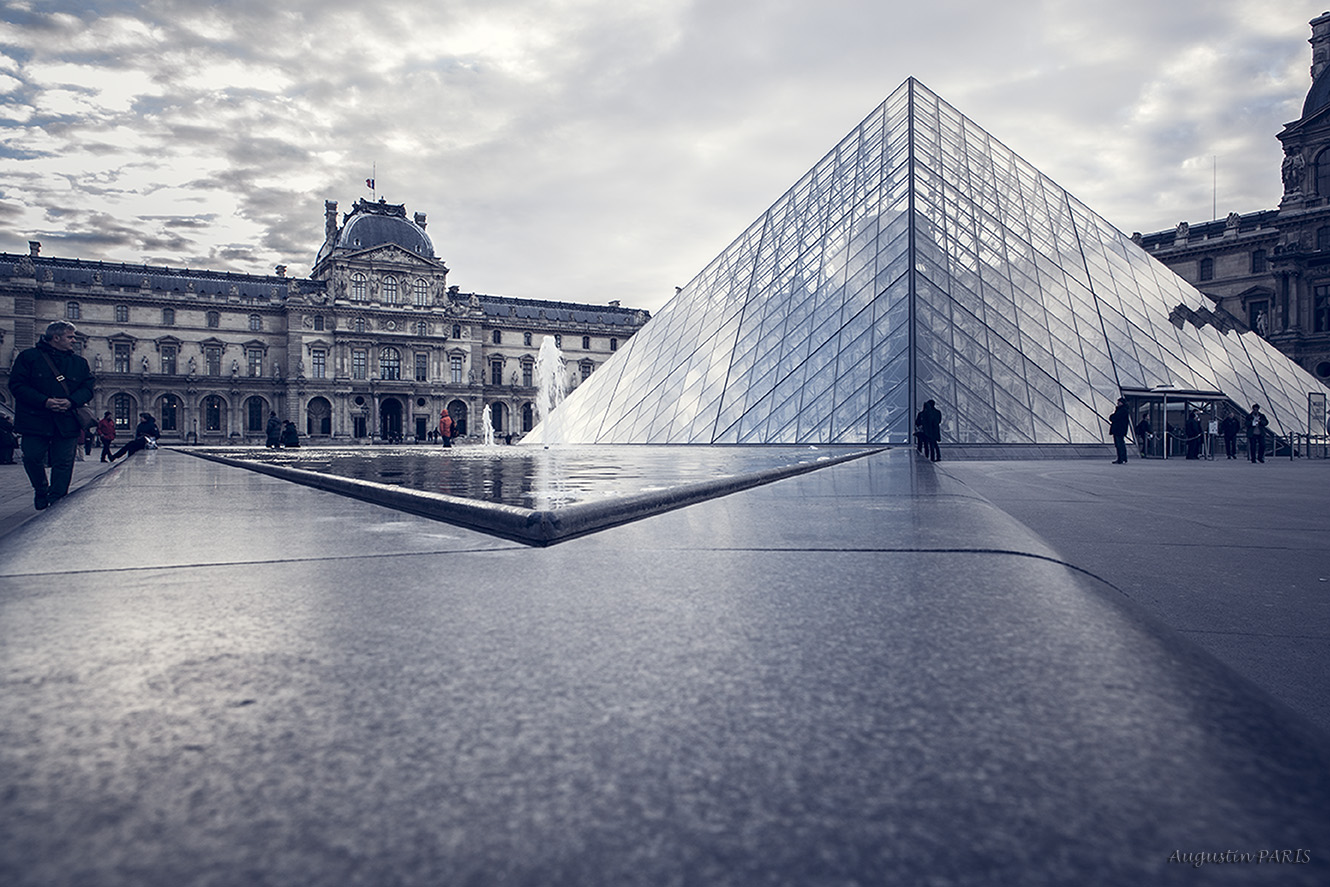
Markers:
1318,96
373,224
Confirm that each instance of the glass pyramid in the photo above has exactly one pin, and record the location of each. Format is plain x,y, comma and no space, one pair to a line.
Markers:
920,259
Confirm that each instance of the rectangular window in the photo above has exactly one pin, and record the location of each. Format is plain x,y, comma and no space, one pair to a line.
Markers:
496,372
318,359
168,317
254,358
121,358
586,371
422,366
455,369
526,374
122,314
359,362
1258,265
168,360
212,360
1321,309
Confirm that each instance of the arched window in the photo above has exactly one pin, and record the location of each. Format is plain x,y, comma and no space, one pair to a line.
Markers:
360,324
390,290
73,311
255,323
586,343
614,344
359,287
1206,269
420,292
1323,173
457,331
169,407
422,328
497,337
526,338
390,364
214,320
214,413
168,317
122,410
256,415
122,314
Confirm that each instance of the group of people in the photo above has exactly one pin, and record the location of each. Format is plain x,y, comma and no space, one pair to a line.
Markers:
281,433
1193,433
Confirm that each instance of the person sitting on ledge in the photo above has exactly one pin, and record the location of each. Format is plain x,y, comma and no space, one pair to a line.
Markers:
145,433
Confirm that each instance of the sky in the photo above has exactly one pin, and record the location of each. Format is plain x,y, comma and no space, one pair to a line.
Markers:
598,150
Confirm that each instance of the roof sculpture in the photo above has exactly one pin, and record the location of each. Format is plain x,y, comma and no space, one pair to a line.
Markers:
921,259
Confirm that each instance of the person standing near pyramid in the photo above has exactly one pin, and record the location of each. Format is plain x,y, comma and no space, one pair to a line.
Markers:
930,425
1118,423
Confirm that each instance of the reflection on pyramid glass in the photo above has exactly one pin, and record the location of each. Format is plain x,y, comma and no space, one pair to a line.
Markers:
921,259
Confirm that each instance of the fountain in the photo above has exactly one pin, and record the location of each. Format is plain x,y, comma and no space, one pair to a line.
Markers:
552,387
487,423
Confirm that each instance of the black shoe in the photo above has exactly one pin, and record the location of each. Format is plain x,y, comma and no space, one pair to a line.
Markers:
40,501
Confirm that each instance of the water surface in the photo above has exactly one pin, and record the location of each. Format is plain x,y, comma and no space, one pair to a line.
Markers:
532,476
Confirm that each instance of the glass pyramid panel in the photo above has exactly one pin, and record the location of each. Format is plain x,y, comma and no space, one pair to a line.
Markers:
919,259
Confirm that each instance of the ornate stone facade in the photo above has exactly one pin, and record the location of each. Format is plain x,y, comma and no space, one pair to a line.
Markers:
372,346
1270,270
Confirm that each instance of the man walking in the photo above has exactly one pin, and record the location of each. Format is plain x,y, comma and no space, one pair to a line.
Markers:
1118,424
1256,434
1229,428
446,428
49,382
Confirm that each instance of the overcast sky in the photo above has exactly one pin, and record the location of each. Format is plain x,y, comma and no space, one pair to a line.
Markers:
592,150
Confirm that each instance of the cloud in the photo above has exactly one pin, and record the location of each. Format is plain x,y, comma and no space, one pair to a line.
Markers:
597,149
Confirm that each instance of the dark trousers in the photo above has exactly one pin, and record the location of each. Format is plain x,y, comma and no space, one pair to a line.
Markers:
59,452
131,448
1120,442
1255,447
106,450
1231,447
931,449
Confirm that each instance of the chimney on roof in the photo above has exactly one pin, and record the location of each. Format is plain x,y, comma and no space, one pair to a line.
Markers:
1320,44
34,248
329,219
420,220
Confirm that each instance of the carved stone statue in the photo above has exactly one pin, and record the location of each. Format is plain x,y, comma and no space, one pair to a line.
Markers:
145,363
1292,169
1262,324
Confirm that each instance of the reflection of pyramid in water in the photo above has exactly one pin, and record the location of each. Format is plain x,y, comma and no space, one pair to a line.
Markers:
920,255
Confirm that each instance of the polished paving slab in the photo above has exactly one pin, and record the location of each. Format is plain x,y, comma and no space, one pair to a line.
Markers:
863,675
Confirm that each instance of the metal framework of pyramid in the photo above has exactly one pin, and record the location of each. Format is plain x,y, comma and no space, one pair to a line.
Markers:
920,259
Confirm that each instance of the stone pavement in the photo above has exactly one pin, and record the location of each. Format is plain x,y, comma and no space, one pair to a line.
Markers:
867,674
16,493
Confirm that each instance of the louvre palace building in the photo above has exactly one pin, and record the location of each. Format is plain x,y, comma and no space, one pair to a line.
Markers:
1269,271
373,346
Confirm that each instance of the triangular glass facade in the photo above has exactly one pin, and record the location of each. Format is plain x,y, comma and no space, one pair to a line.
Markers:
920,259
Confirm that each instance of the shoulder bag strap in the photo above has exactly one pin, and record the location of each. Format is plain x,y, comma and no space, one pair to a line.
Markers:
58,377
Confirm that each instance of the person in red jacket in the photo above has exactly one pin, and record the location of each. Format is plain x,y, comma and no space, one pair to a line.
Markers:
106,434
446,428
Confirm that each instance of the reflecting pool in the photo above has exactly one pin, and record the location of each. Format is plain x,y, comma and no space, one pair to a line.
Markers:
534,477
